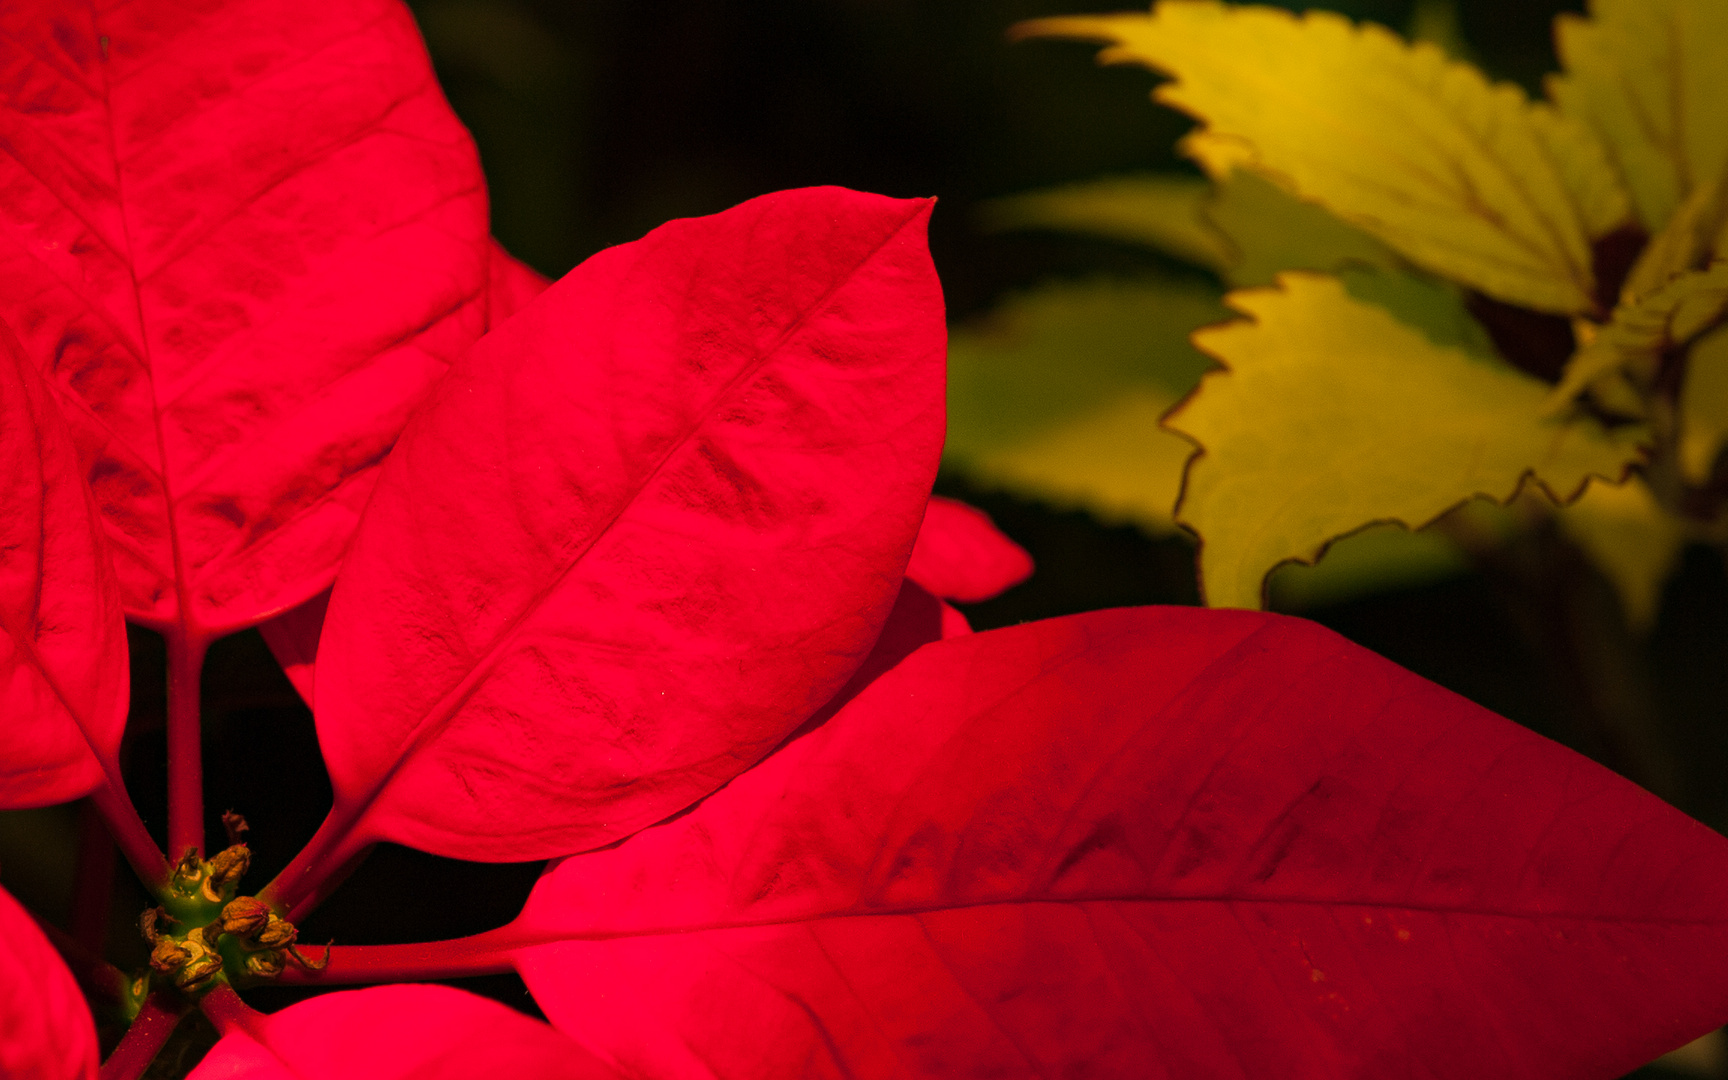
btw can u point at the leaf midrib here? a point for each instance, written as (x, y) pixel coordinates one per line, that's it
(433, 721)
(524, 938)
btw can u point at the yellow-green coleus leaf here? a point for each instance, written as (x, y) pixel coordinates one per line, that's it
(1380, 558)
(1468, 179)
(1242, 227)
(1677, 289)
(1333, 413)
(1641, 330)
(1057, 395)
(1161, 211)
(1271, 230)
(1704, 406)
(1649, 76)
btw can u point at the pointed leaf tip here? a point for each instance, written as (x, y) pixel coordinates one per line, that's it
(716, 445)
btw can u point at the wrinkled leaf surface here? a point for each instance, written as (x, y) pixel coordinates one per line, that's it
(1148, 843)
(63, 670)
(245, 238)
(959, 554)
(1272, 230)
(707, 456)
(293, 635)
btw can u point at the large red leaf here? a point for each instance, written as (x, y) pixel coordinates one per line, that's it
(642, 531)
(397, 1033)
(63, 673)
(1146, 843)
(243, 237)
(45, 1031)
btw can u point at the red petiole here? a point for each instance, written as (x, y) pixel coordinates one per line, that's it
(156, 1021)
(186, 648)
(490, 953)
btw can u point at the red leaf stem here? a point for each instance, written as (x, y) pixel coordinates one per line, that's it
(305, 882)
(186, 647)
(156, 1021)
(127, 829)
(225, 1009)
(489, 953)
(96, 977)
(93, 881)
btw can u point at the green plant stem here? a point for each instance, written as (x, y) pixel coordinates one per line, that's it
(490, 953)
(145, 1038)
(186, 647)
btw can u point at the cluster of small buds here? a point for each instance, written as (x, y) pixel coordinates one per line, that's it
(267, 939)
(192, 960)
(215, 880)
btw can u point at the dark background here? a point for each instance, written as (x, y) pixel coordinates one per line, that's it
(598, 120)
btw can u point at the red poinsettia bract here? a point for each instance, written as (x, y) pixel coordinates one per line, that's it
(639, 572)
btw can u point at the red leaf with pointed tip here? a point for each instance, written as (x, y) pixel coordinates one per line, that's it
(961, 555)
(243, 238)
(707, 456)
(45, 1031)
(398, 1033)
(63, 672)
(1146, 843)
